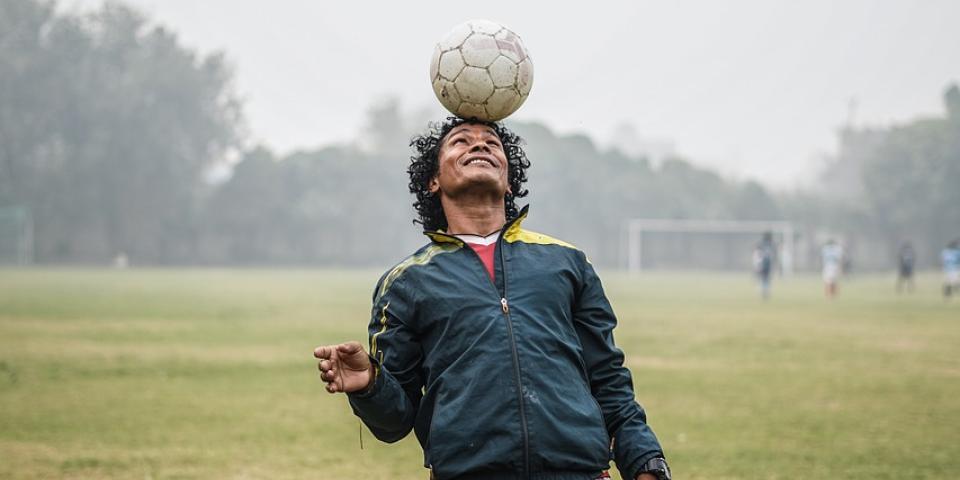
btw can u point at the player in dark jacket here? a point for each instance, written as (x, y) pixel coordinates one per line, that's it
(763, 257)
(906, 258)
(493, 343)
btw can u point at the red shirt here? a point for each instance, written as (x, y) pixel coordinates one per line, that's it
(486, 256)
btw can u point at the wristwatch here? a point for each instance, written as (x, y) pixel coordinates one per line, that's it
(656, 467)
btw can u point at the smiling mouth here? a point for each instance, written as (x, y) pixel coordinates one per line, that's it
(479, 161)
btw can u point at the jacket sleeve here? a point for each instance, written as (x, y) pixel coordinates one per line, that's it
(610, 382)
(389, 407)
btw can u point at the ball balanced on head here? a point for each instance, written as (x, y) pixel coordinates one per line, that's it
(481, 70)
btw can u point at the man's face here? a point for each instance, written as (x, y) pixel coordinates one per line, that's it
(471, 160)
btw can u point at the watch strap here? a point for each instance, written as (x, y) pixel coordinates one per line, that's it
(658, 467)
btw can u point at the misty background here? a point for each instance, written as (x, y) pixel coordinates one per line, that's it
(216, 133)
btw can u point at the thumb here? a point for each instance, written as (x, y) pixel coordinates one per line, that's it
(350, 348)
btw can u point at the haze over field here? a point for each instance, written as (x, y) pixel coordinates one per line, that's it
(754, 89)
(115, 119)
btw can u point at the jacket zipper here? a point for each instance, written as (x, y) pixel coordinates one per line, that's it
(505, 307)
(516, 363)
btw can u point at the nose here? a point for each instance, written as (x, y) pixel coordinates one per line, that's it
(480, 145)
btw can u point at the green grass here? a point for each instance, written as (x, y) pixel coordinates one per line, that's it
(209, 374)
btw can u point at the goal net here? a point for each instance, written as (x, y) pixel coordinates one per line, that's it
(16, 236)
(703, 244)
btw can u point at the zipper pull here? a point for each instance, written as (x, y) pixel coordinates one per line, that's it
(503, 304)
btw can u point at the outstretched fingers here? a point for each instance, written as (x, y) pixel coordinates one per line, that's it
(332, 387)
(328, 372)
(343, 366)
(327, 365)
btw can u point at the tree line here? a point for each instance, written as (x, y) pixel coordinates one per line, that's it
(891, 185)
(107, 125)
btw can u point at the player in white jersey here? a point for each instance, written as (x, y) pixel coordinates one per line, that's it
(832, 258)
(950, 257)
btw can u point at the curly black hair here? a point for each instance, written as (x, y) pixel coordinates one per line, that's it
(425, 164)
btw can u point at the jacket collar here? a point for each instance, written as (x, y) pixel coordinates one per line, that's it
(509, 230)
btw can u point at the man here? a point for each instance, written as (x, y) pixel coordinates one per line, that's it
(493, 343)
(832, 257)
(763, 256)
(950, 256)
(906, 258)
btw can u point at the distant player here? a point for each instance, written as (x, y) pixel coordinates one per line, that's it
(832, 258)
(906, 258)
(763, 257)
(951, 268)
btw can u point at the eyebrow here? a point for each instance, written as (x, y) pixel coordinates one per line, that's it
(488, 131)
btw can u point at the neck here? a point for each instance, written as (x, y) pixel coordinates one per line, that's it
(479, 218)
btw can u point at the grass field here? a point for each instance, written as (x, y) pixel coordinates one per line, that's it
(208, 374)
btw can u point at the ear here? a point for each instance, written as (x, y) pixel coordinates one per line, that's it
(434, 186)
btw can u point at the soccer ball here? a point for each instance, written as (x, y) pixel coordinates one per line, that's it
(481, 70)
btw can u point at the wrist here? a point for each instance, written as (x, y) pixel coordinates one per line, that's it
(654, 469)
(371, 382)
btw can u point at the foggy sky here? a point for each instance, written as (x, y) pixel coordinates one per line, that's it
(754, 89)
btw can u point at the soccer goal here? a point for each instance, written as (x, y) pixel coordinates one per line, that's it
(16, 236)
(703, 244)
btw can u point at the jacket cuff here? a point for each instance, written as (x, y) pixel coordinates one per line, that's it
(635, 468)
(374, 386)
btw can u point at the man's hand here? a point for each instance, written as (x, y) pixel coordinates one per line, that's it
(646, 476)
(345, 367)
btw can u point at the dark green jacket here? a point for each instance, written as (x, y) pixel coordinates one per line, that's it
(514, 379)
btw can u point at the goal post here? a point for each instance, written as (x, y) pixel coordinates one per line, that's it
(16, 236)
(636, 228)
